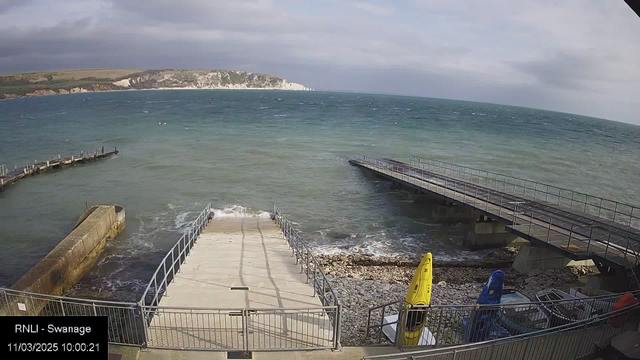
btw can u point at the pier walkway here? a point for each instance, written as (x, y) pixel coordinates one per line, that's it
(11, 177)
(577, 225)
(240, 285)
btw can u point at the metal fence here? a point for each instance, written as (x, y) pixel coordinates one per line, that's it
(147, 324)
(308, 263)
(618, 212)
(126, 325)
(249, 329)
(310, 266)
(242, 329)
(449, 325)
(544, 224)
(566, 342)
(171, 263)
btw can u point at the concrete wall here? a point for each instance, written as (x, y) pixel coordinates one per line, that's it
(488, 234)
(75, 254)
(530, 258)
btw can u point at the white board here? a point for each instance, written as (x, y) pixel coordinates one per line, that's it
(389, 330)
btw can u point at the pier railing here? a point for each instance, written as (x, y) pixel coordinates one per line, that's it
(125, 324)
(450, 325)
(148, 324)
(609, 243)
(311, 268)
(173, 260)
(241, 329)
(10, 177)
(570, 341)
(615, 211)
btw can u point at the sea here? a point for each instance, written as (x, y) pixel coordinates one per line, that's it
(244, 151)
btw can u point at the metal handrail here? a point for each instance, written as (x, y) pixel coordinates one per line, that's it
(237, 309)
(514, 304)
(497, 198)
(540, 188)
(308, 262)
(125, 325)
(301, 249)
(177, 254)
(522, 337)
(438, 312)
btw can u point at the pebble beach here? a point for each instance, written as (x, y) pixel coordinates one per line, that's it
(362, 281)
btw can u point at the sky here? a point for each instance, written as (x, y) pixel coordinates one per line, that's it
(577, 56)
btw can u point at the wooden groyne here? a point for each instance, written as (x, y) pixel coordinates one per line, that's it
(11, 177)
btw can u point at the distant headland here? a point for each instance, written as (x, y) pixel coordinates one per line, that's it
(89, 80)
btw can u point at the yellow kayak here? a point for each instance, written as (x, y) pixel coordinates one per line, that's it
(419, 293)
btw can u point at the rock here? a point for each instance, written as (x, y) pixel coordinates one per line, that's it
(534, 272)
(362, 281)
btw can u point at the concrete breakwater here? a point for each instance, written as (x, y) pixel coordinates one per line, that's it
(11, 177)
(71, 258)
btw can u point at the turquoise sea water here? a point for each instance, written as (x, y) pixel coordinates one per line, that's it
(246, 150)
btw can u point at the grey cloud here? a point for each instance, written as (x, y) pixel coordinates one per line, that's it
(562, 70)
(343, 50)
(6, 5)
(578, 70)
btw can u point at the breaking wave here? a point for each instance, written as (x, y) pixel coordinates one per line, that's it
(235, 211)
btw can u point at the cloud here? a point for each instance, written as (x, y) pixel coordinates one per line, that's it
(6, 5)
(577, 56)
(374, 9)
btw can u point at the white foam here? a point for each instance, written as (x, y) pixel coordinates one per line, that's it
(235, 211)
(380, 248)
(181, 220)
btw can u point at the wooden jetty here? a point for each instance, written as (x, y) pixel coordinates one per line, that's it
(11, 177)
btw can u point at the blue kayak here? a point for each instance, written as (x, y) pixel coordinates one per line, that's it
(485, 324)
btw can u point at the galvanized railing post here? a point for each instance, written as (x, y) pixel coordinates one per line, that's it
(437, 334)
(173, 263)
(144, 327)
(600, 207)
(338, 326)
(157, 291)
(315, 270)
(307, 265)
(166, 282)
(400, 326)
(245, 329)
